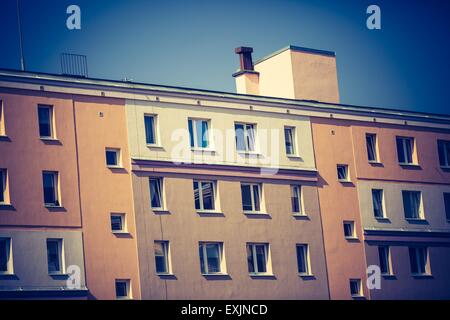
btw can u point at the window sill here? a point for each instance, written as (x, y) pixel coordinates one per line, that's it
(114, 167)
(388, 276)
(300, 216)
(416, 219)
(160, 211)
(422, 275)
(154, 146)
(6, 205)
(51, 206)
(249, 153)
(358, 297)
(352, 239)
(51, 139)
(344, 181)
(58, 274)
(4, 137)
(293, 156)
(254, 214)
(446, 168)
(165, 274)
(409, 165)
(203, 150)
(121, 233)
(307, 276)
(124, 298)
(215, 274)
(209, 213)
(262, 275)
(382, 219)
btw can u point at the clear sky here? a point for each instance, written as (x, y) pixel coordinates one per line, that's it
(190, 43)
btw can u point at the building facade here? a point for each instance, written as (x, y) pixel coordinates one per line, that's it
(124, 190)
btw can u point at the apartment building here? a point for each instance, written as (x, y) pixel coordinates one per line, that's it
(276, 192)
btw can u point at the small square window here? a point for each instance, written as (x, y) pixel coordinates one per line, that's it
(123, 289)
(113, 157)
(45, 117)
(342, 173)
(355, 288)
(118, 223)
(349, 230)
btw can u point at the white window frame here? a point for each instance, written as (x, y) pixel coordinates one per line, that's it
(359, 294)
(245, 133)
(405, 149)
(307, 260)
(57, 191)
(200, 194)
(155, 130)
(195, 122)
(118, 153)
(347, 173)
(421, 214)
(123, 223)
(52, 135)
(300, 204)
(10, 262)
(383, 207)
(268, 262)
(166, 250)
(128, 289)
(61, 256)
(161, 194)
(222, 263)
(374, 138)
(353, 235)
(252, 196)
(294, 141)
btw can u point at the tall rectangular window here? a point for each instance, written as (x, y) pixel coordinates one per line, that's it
(296, 199)
(2, 120)
(412, 204)
(342, 172)
(371, 144)
(204, 195)
(45, 117)
(150, 129)
(3, 186)
(384, 256)
(123, 289)
(251, 197)
(447, 205)
(5, 256)
(405, 150)
(55, 256)
(162, 257)
(245, 137)
(418, 257)
(211, 257)
(444, 153)
(303, 259)
(377, 202)
(199, 133)
(289, 140)
(258, 258)
(156, 195)
(51, 188)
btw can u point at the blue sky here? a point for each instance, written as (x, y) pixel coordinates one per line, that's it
(190, 43)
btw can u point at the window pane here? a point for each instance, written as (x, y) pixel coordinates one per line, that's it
(155, 193)
(289, 140)
(121, 289)
(111, 158)
(161, 257)
(53, 255)
(213, 256)
(413, 260)
(2, 184)
(409, 149)
(411, 204)
(447, 205)
(302, 259)
(295, 199)
(342, 172)
(355, 287)
(261, 258)
(49, 181)
(4, 254)
(246, 198)
(377, 199)
(44, 122)
(250, 137)
(116, 223)
(191, 132)
(202, 259)
(370, 143)
(441, 152)
(197, 195)
(202, 131)
(240, 141)
(422, 259)
(384, 259)
(149, 129)
(348, 229)
(251, 266)
(208, 195)
(256, 196)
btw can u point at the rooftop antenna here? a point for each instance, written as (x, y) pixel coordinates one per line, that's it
(22, 59)
(74, 65)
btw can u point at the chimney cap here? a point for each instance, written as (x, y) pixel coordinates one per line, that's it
(243, 50)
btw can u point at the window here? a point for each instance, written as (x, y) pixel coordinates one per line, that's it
(245, 137)
(418, 257)
(296, 200)
(3, 186)
(412, 204)
(123, 290)
(251, 197)
(349, 230)
(45, 117)
(113, 157)
(55, 256)
(156, 199)
(118, 223)
(2, 121)
(303, 259)
(204, 195)
(198, 133)
(447, 205)
(371, 144)
(384, 255)
(444, 153)
(51, 188)
(211, 257)
(5, 256)
(289, 140)
(355, 288)
(405, 149)
(150, 129)
(162, 257)
(342, 172)
(377, 202)
(258, 258)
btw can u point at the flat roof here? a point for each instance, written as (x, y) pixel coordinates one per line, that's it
(297, 48)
